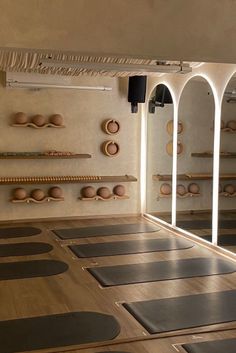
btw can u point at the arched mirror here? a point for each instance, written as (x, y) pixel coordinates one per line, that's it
(159, 153)
(227, 186)
(195, 158)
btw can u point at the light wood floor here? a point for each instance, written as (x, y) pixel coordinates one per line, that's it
(77, 290)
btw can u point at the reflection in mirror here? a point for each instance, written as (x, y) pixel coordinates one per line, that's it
(195, 158)
(227, 186)
(159, 153)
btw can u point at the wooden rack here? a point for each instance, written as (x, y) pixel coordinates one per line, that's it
(45, 199)
(65, 179)
(38, 127)
(188, 194)
(193, 176)
(210, 154)
(99, 198)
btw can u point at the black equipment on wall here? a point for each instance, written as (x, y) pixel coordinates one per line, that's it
(162, 97)
(137, 91)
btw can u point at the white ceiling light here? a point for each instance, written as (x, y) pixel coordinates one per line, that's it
(161, 67)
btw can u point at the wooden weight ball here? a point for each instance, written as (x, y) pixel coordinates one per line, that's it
(113, 127)
(229, 188)
(181, 190)
(38, 120)
(88, 191)
(55, 192)
(104, 192)
(220, 188)
(194, 188)
(119, 190)
(165, 189)
(20, 118)
(110, 148)
(56, 119)
(19, 194)
(37, 194)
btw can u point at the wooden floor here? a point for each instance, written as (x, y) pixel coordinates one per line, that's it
(77, 290)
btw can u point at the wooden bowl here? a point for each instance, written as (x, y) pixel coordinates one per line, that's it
(110, 148)
(111, 126)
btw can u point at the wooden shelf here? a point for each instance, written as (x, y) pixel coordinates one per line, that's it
(99, 198)
(226, 194)
(38, 127)
(228, 130)
(38, 155)
(210, 154)
(192, 176)
(45, 199)
(65, 179)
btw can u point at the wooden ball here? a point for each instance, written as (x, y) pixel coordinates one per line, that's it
(194, 188)
(88, 191)
(19, 194)
(229, 188)
(113, 127)
(119, 190)
(166, 189)
(56, 192)
(220, 188)
(181, 190)
(20, 118)
(169, 148)
(38, 120)
(37, 194)
(104, 192)
(231, 124)
(56, 119)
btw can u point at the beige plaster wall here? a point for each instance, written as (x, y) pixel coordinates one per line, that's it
(196, 30)
(83, 113)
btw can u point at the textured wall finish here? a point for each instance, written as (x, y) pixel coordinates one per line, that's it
(83, 113)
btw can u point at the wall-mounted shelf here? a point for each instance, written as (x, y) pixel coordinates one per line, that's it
(188, 194)
(228, 130)
(210, 154)
(38, 127)
(226, 194)
(42, 155)
(65, 179)
(192, 176)
(45, 199)
(99, 198)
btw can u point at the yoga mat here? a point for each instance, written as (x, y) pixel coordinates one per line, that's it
(161, 271)
(16, 232)
(30, 269)
(55, 331)
(223, 239)
(206, 224)
(219, 346)
(130, 247)
(22, 249)
(115, 229)
(171, 314)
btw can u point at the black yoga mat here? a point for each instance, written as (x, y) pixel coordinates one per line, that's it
(219, 346)
(17, 232)
(223, 239)
(115, 229)
(171, 314)
(56, 331)
(206, 224)
(22, 249)
(161, 271)
(130, 247)
(30, 269)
